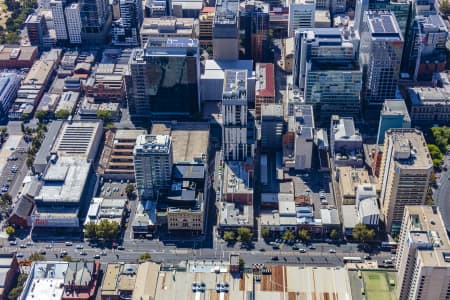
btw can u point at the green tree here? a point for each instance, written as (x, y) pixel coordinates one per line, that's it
(36, 257)
(107, 230)
(288, 235)
(6, 197)
(104, 115)
(445, 8)
(62, 114)
(41, 115)
(10, 231)
(304, 234)
(363, 234)
(228, 236)
(129, 189)
(22, 279)
(15, 293)
(265, 233)
(24, 117)
(3, 129)
(67, 258)
(29, 161)
(90, 230)
(334, 234)
(245, 235)
(145, 256)
(241, 263)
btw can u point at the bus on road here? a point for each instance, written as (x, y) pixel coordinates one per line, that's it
(352, 259)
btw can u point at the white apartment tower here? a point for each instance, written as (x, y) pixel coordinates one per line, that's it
(74, 25)
(59, 19)
(152, 165)
(301, 15)
(405, 173)
(234, 115)
(423, 255)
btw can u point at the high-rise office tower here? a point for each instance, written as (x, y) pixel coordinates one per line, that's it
(226, 30)
(36, 29)
(394, 114)
(96, 18)
(235, 119)
(59, 20)
(272, 126)
(126, 29)
(404, 11)
(423, 255)
(405, 174)
(163, 79)
(425, 51)
(255, 22)
(73, 22)
(380, 56)
(326, 71)
(301, 15)
(152, 165)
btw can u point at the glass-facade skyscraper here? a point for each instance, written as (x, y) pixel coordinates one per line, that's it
(163, 79)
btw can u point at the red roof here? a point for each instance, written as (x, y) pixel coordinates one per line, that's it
(208, 9)
(268, 88)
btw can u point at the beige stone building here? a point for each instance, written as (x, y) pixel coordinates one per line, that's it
(405, 173)
(423, 255)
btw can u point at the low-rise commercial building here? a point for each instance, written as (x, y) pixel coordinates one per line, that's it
(349, 179)
(106, 84)
(346, 143)
(168, 26)
(17, 56)
(298, 141)
(119, 281)
(265, 86)
(61, 280)
(237, 183)
(430, 105)
(233, 216)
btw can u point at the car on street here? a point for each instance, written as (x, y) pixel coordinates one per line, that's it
(275, 258)
(332, 251)
(302, 250)
(79, 246)
(103, 253)
(63, 253)
(68, 244)
(23, 246)
(43, 252)
(29, 243)
(49, 246)
(120, 247)
(13, 243)
(83, 253)
(312, 247)
(20, 255)
(97, 256)
(367, 257)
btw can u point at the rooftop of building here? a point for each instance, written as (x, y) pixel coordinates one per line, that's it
(232, 214)
(39, 72)
(118, 277)
(395, 107)
(226, 12)
(78, 138)
(235, 85)
(435, 95)
(8, 52)
(428, 231)
(265, 83)
(383, 25)
(148, 273)
(167, 24)
(344, 129)
(236, 178)
(432, 23)
(153, 144)
(350, 178)
(377, 284)
(368, 207)
(271, 110)
(128, 134)
(190, 139)
(64, 180)
(409, 148)
(215, 69)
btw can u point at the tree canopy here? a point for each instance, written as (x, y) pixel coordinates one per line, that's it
(105, 229)
(245, 235)
(304, 234)
(62, 114)
(363, 234)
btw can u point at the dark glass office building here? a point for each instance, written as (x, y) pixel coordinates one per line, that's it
(163, 79)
